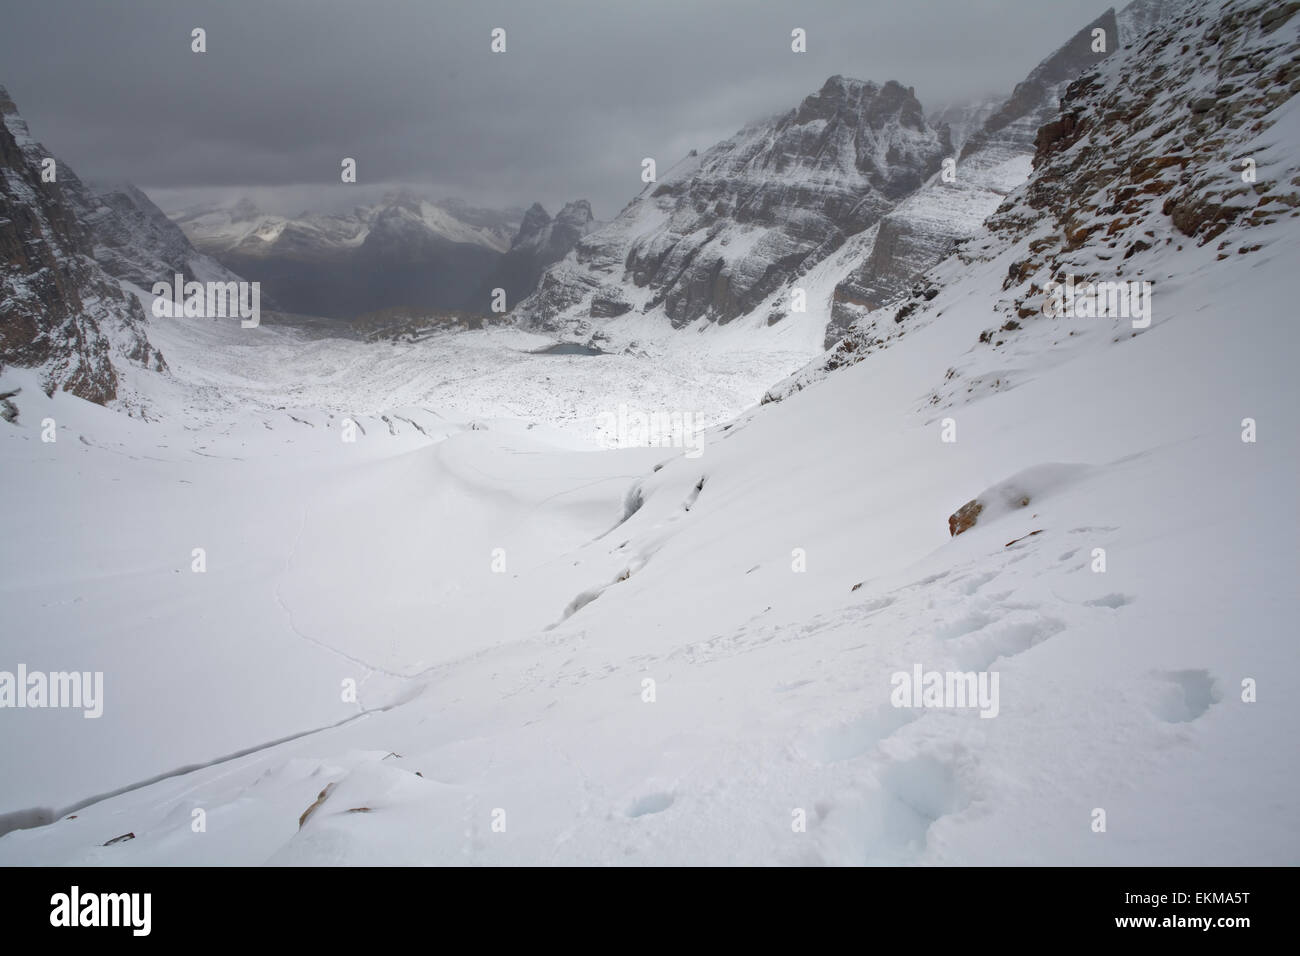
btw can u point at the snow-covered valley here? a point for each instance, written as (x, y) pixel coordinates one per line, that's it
(523, 689)
(451, 599)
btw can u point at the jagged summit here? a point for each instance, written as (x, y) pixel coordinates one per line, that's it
(540, 242)
(535, 221)
(993, 160)
(721, 231)
(842, 96)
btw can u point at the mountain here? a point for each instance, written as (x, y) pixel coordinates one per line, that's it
(1143, 157)
(243, 229)
(964, 119)
(839, 197)
(405, 251)
(690, 652)
(992, 159)
(540, 242)
(1143, 17)
(62, 310)
(1034, 99)
(134, 239)
(722, 231)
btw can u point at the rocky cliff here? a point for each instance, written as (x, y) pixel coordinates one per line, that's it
(993, 160)
(1167, 158)
(721, 231)
(60, 311)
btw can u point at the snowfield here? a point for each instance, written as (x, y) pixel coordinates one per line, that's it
(411, 603)
(504, 716)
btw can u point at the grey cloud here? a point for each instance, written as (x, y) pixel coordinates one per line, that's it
(411, 90)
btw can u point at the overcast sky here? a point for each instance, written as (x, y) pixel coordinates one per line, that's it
(585, 89)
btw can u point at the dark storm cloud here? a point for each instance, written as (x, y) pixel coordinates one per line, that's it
(585, 90)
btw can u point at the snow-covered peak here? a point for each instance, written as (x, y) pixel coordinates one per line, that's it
(1144, 163)
(242, 229)
(719, 232)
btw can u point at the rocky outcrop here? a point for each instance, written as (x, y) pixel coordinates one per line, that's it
(1175, 140)
(721, 231)
(1161, 139)
(964, 518)
(60, 312)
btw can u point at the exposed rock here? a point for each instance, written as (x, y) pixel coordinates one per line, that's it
(609, 304)
(134, 239)
(1022, 538)
(1126, 158)
(8, 410)
(540, 242)
(1034, 101)
(963, 519)
(60, 312)
(924, 229)
(320, 798)
(1150, 129)
(720, 232)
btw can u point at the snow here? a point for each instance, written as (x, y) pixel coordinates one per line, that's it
(244, 228)
(565, 655)
(372, 561)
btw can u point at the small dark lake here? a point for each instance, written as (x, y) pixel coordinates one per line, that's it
(569, 348)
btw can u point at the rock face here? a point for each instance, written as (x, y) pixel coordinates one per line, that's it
(405, 251)
(132, 239)
(993, 161)
(1035, 99)
(720, 232)
(965, 119)
(135, 241)
(540, 242)
(1143, 144)
(60, 311)
(1145, 155)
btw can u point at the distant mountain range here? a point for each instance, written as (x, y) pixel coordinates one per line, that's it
(844, 198)
(406, 251)
(841, 198)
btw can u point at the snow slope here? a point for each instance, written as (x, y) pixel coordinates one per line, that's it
(768, 590)
(1118, 690)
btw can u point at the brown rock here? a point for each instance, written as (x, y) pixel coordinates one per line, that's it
(963, 519)
(320, 798)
